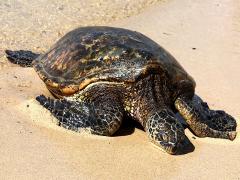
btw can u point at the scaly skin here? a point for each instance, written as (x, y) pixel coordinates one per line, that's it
(99, 109)
(205, 122)
(102, 73)
(101, 116)
(165, 131)
(22, 58)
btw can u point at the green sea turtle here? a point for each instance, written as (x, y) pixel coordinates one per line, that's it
(101, 74)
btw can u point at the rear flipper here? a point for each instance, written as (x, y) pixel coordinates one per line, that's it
(21, 57)
(101, 119)
(205, 122)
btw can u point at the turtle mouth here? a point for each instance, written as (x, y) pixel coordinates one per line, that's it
(174, 148)
(171, 149)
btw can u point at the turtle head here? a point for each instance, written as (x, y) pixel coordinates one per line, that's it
(165, 131)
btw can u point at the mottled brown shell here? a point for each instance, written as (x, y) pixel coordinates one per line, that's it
(90, 54)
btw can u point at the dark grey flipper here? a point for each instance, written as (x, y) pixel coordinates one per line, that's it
(205, 122)
(165, 131)
(101, 119)
(21, 57)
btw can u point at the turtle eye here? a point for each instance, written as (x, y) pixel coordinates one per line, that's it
(164, 137)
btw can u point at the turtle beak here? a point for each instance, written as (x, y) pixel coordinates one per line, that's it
(177, 147)
(171, 149)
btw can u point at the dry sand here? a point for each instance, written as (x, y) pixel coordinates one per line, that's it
(32, 147)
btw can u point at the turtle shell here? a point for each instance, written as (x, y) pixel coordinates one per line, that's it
(91, 54)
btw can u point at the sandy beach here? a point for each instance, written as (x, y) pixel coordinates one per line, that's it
(203, 35)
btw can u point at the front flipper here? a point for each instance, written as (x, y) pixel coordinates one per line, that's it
(205, 122)
(101, 119)
(166, 131)
(21, 57)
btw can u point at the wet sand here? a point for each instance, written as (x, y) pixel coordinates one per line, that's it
(203, 35)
